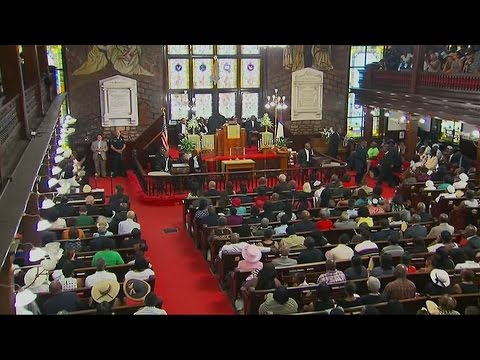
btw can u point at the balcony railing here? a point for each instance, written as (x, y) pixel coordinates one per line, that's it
(437, 84)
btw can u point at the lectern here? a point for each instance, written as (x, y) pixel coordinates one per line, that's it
(230, 136)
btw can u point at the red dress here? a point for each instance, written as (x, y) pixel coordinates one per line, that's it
(324, 224)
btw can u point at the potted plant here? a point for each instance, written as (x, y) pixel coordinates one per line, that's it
(186, 146)
(266, 122)
(282, 144)
(192, 125)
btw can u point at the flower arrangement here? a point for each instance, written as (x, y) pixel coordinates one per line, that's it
(186, 145)
(282, 143)
(192, 125)
(266, 122)
(325, 134)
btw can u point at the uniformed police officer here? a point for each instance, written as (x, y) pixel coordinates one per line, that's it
(117, 144)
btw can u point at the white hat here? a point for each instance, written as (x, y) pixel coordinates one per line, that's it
(24, 297)
(68, 116)
(67, 153)
(463, 177)
(52, 182)
(43, 225)
(56, 170)
(316, 183)
(64, 189)
(52, 247)
(429, 172)
(251, 254)
(47, 204)
(87, 188)
(36, 276)
(70, 130)
(429, 184)
(58, 158)
(48, 264)
(71, 121)
(440, 277)
(450, 189)
(449, 147)
(435, 145)
(59, 150)
(375, 201)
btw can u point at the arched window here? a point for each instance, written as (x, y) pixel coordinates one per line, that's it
(214, 79)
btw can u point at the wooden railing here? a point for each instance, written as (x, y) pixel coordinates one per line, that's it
(8, 118)
(180, 183)
(459, 85)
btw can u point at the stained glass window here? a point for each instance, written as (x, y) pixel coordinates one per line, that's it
(250, 49)
(178, 73)
(178, 49)
(226, 49)
(228, 73)
(203, 105)
(360, 56)
(203, 49)
(190, 68)
(202, 73)
(249, 104)
(55, 58)
(250, 73)
(178, 106)
(226, 104)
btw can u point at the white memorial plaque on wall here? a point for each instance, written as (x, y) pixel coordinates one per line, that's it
(307, 94)
(118, 101)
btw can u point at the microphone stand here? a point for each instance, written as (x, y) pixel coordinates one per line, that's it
(111, 182)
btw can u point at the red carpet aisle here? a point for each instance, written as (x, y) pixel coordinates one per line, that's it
(183, 279)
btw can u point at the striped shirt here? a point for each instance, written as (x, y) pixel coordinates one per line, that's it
(331, 277)
(400, 289)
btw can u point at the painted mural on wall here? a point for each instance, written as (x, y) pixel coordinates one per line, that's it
(124, 58)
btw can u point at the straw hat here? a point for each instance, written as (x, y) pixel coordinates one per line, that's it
(463, 177)
(251, 254)
(87, 188)
(432, 308)
(136, 289)
(105, 291)
(35, 276)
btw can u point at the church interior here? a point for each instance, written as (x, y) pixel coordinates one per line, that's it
(240, 179)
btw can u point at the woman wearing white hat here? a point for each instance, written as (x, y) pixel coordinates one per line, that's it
(450, 194)
(429, 186)
(438, 284)
(36, 280)
(462, 183)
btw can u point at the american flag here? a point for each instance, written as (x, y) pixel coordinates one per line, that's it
(164, 132)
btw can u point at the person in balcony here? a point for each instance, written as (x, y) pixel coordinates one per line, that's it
(434, 65)
(406, 60)
(456, 64)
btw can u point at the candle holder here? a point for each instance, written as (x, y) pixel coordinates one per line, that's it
(277, 103)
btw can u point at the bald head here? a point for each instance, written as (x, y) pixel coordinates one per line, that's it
(55, 287)
(130, 215)
(212, 185)
(443, 218)
(400, 271)
(89, 200)
(305, 215)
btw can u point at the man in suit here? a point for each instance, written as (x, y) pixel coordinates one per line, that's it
(118, 145)
(360, 161)
(387, 164)
(99, 149)
(334, 143)
(305, 156)
(163, 161)
(252, 127)
(181, 129)
(215, 122)
(195, 162)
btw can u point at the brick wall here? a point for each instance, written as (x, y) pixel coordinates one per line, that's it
(85, 94)
(335, 92)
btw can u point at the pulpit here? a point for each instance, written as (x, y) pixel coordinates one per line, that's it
(230, 136)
